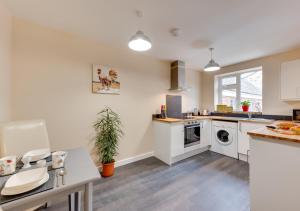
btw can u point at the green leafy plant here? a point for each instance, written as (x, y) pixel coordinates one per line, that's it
(108, 129)
(246, 103)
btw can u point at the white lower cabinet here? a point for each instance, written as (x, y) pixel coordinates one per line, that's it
(177, 140)
(169, 140)
(205, 133)
(243, 138)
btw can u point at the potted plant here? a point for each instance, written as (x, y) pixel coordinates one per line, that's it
(108, 133)
(245, 105)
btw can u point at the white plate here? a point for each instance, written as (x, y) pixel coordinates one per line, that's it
(25, 179)
(6, 192)
(38, 154)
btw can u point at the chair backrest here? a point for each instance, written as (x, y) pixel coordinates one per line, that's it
(17, 138)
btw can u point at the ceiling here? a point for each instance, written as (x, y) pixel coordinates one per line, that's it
(239, 30)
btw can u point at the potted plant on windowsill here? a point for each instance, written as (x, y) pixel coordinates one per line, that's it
(245, 105)
(108, 133)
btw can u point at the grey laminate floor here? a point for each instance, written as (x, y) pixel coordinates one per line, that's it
(205, 182)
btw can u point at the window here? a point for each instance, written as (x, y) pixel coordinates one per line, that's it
(233, 88)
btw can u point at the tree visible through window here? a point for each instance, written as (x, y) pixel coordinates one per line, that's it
(233, 88)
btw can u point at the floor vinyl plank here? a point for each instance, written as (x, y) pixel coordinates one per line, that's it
(204, 182)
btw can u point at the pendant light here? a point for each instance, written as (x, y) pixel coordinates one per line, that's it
(212, 65)
(139, 41)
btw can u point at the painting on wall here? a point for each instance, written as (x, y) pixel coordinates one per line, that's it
(105, 80)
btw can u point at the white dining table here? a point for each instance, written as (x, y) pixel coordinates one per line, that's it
(80, 174)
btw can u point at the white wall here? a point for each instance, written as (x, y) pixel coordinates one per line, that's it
(5, 62)
(271, 82)
(51, 79)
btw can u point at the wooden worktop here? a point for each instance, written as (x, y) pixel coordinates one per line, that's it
(173, 120)
(168, 120)
(269, 134)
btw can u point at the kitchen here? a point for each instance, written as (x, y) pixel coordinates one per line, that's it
(242, 135)
(202, 99)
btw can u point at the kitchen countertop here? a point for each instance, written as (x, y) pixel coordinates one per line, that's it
(168, 120)
(257, 120)
(266, 133)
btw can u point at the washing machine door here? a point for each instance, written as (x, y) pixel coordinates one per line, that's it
(223, 137)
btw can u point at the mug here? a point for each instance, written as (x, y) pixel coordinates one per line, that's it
(58, 159)
(7, 165)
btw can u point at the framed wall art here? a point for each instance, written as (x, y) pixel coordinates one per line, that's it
(105, 80)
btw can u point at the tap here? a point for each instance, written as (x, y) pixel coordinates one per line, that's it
(249, 115)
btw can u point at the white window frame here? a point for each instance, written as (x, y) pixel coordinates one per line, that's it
(219, 87)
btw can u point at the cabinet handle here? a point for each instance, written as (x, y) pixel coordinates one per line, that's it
(240, 126)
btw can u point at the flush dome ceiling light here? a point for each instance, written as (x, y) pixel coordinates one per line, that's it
(212, 65)
(139, 42)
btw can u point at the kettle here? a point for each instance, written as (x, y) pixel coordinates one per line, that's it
(205, 112)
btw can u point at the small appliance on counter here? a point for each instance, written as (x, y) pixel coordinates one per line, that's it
(163, 112)
(205, 112)
(296, 115)
(196, 112)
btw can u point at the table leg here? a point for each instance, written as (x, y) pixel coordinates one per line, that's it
(77, 201)
(74, 201)
(88, 197)
(71, 202)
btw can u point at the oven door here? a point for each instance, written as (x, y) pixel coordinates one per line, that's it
(191, 135)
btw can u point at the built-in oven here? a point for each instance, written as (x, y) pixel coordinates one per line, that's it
(191, 133)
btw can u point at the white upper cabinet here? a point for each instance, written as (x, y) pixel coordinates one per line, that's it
(290, 83)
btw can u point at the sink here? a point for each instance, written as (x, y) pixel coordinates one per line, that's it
(259, 120)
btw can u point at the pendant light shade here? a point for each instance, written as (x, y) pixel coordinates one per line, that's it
(139, 42)
(212, 65)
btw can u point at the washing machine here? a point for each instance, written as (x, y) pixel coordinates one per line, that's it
(224, 138)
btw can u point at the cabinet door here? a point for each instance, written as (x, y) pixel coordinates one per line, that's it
(290, 87)
(205, 132)
(177, 140)
(243, 138)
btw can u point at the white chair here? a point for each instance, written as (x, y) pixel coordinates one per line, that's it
(17, 138)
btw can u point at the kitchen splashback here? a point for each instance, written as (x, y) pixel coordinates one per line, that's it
(174, 106)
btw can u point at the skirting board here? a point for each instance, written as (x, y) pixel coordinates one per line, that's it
(243, 157)
(133, 159)
(189, 154)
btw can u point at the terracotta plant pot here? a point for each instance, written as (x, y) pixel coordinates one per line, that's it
(108, 169)
(245, 108)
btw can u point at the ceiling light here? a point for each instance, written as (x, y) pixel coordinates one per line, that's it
(212, 65)
(139, 42)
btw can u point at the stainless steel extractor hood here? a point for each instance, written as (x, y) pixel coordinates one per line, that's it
(178, 76)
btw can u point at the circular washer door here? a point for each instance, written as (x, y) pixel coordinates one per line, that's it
(223, 137)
